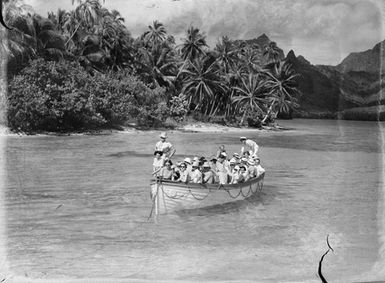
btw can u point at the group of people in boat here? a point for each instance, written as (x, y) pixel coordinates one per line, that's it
(220, 168)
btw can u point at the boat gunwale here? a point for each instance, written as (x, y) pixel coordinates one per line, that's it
(208, 186)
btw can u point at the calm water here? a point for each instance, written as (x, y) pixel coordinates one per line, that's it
(77, 207)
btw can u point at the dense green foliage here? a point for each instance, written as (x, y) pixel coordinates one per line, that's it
(82, 69)
(62, 96)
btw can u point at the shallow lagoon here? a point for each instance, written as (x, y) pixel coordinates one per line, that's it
(77, 207)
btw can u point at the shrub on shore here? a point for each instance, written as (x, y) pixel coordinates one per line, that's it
(62, 96)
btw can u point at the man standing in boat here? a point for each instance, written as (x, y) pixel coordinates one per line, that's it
(164, 146)
(251, 144)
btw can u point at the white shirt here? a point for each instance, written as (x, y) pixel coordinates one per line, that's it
(157, 164)
(196, 176)
(252, 145)
(164, 147)
(260, 170)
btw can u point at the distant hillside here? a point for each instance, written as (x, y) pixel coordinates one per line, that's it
(369, 61)
(320, 87)
(351, 90)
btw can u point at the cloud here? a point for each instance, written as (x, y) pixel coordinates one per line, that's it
(323, 31)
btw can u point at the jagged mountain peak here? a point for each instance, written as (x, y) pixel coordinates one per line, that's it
(291, 56)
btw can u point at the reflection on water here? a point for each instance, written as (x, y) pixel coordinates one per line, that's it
(77, 207)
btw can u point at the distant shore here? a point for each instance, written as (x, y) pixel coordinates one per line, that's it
(202, 127)
(198, 127)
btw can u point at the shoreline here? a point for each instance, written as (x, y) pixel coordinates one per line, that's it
(192, 127)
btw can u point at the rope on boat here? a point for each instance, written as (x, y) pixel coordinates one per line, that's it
(247, 195)
(228, 192)
(196, 197)
(176, 196)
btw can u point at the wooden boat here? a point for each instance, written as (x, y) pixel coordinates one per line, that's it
(168, 196)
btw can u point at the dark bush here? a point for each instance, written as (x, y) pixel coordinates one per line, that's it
(62, 96)
(254, 120)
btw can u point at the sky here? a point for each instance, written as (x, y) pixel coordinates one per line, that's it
(323, 31)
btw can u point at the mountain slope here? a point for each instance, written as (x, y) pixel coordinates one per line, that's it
(369, 61)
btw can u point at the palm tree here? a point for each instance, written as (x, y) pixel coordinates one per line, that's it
(115, 39)
(226, 53)
(59, 19)
(17, 15)
(155, 34)
(272, 52)
(251, 95)
(250, 57)
(283, 89)
(85, 16)
(157, 65)
(193, 45)
(31, 36)
(49, 43)
(201, 82)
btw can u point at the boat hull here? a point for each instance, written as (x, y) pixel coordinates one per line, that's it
(170, 196)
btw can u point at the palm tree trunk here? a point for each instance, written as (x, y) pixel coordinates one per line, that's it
(243, 116)
(215, 110)
(208, 108)
(72, 35)
(189, 103)
(212, 108)
(268, 112)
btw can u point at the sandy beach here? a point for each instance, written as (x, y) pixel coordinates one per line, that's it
(198, 127)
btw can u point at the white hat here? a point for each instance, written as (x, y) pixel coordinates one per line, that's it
(206, 165)
(232, 160)
(163, 135)
(251, 162)
(236, 167)
(244, 159)
(243, 138)
(187, 160)
(224, 154)
(196, 158)
(196, 164)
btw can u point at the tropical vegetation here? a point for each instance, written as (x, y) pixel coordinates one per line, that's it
(82, 69)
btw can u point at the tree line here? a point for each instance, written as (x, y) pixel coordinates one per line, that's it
(240, 82)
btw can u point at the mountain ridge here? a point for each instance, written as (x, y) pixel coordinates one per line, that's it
(349, 90)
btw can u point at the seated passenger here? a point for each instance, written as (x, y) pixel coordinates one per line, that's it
(237, 177)
(246, 154)
(158, 162)
(244, 161)
(232, 164)
(188, 163)
(195, 174)
(195, 159)
(251, 170)
(208, 174)
(222, 169)
(259, 168)
(167, 171)
(176, 173)
(243, 173)
(202, 161)
(237, 158)
(213, 165)
(184, 174)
